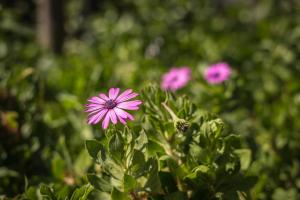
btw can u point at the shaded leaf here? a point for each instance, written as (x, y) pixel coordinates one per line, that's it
(95, 148)
(82, 192)
(47, 192)
(129, 183)
(117, 195)
(245, 157)
(99, 183)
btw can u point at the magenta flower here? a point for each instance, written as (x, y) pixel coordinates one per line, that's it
(217, 73)
(111, 107)
(176, 78)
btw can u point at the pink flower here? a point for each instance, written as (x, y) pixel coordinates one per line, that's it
(176, 78)
(217, 73)
(111, 107)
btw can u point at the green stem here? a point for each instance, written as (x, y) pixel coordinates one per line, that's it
(168, 148)
(170, 111)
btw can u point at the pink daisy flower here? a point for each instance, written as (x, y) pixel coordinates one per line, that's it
(111, 107)
(176, 78)
(217, 73)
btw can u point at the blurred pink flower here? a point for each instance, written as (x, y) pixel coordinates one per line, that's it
(176, 78)
(111, 107)
(217, 73)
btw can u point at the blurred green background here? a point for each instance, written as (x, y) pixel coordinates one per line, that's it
(55, 54)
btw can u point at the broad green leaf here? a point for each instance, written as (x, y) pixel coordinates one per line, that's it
(61, 190)
(116, 147)
(113, 169)
(82, 163)
(141, 141)
(58, 166)
(129, 183)
(153, 183)
(137, 167)
(82, 192)
(31, 193)
(99, 183)
(245, 157)
(176, 169)
(117, 195)
(95, 149)
(155, 143)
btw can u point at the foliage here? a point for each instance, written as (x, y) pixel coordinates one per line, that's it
(129, 43)
(157, 159)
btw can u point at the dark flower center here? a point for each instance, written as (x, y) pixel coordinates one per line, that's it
(174, 79)
(216, 75)
(110, 104)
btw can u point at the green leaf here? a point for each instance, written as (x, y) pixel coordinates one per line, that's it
(153, 183)
(154, 148)
(137, 167)
(232, 141)
(231, 184)
(129, 183)
(31, 193)
(195, 151)
(177, 170)
(7, 172)
(196, 171)
(245, 157)
(94, 147)
(82, 192)
(117, 195)
(82, 163)
(113, 169)
(168, 182)
(47, 192)
(281, 193)
(99, 183)
(116, 147)
(61, 191)
(58, 167)
(141, 141)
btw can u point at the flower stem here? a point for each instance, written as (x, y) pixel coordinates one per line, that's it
(170, 111)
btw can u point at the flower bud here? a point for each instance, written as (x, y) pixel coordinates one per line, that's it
(182, 125)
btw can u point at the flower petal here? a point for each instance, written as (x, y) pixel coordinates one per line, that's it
(120, 112)
(127, 97)
(113, 93)
(94, 112)
(123, 121)
(129, 105)
(123, 114)
(113, 116)
(103, 96)
(125, 93)
(93, 108)
(129, 116)
(97, 117)
(105, 122)
(96, 100)
(89, 105)
(176, 78)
